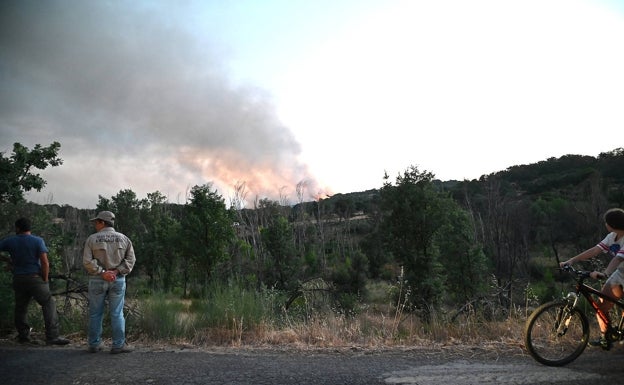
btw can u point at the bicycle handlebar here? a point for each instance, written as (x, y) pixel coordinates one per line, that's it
(580, 273)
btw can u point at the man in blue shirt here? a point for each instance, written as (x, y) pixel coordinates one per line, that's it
(30, 268)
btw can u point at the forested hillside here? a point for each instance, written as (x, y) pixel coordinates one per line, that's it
(447, 243)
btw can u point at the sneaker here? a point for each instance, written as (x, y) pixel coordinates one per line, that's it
(601, 342)
(24, 336)
(124, 349)
(24, 339)
(95, 349)
(57, 341)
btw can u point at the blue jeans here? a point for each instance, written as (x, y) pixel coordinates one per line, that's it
(99, 291)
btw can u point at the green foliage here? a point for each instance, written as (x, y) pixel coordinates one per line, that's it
(126, 207)
(414, 213)
(478, 242)
(44, 226)
(543, 286)
(349, 279)
(557, 224)
(165, 317)
(16, 175)
(311, 262)
(283, 267)
(465, 266)
(380, 256)
(161, 253)
(230, 305)
(207, 229)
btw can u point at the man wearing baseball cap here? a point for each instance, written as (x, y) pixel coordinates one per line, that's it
(108, 257)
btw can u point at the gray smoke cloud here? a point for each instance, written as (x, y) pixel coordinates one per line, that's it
(137, 102)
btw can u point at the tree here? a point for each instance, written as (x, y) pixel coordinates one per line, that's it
(161, 253)
(16, 177)
(207, 232)
(349, 279)
(283, 267)
(465, 265)
(126, 207)
(414, 212)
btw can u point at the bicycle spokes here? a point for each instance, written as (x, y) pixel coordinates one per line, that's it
(564, 316)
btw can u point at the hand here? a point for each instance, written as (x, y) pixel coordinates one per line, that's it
(564, 264)
(109, 275)
(597, 275)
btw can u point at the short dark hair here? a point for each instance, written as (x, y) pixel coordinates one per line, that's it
(22, 225)
(615, 218)
(106, 223)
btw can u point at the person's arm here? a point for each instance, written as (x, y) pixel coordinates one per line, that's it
(89, 262)
(45, 266)
(613, 265)
(126, 265)
(587, 254)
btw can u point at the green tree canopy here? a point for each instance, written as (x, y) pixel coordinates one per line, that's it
(432, 238)
(16, 176)
(208, 231)
(282, 270)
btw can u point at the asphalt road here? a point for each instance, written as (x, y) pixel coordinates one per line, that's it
(419, 366)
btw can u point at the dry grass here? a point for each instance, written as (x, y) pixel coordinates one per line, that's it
(230, 320)
(369, 330)
(375, 329)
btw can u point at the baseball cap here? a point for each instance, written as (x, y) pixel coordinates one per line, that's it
(106, 216)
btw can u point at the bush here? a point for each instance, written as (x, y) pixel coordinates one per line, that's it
(230, 305)
(228, 308)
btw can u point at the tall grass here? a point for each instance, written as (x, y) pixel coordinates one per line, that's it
(164, 317)
(231, 311)
(232, 315)
(227, 314)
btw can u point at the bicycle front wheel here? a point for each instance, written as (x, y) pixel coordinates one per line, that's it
(556, 333)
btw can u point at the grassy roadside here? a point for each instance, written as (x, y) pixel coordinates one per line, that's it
(231, 316)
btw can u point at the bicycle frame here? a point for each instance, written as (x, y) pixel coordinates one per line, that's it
(590, 295)
(557, 332)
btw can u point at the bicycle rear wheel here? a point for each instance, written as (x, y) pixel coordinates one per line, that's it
(556, 333)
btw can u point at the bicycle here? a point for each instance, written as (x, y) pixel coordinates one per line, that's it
(557, 332)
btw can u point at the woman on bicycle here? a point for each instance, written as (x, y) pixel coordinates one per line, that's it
(613, 244)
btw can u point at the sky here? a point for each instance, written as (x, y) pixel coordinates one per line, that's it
(295, 100)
